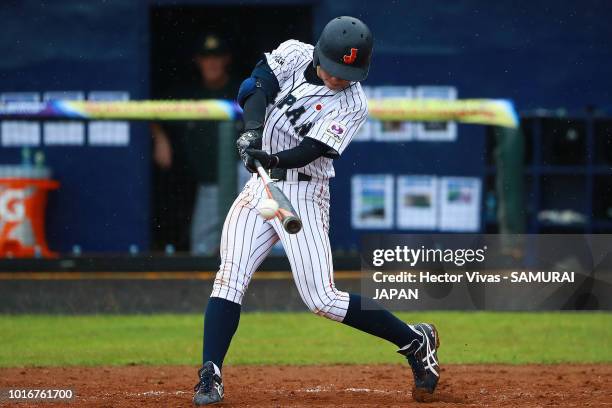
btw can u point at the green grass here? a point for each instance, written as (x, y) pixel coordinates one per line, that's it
(300, 338)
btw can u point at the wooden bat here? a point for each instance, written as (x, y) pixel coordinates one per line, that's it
(285, 213)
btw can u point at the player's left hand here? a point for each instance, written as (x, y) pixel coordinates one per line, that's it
(250, 139)
(268, 161)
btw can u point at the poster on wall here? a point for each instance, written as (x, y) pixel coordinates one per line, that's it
(372, 201)
(460, 204)
(417, 202)
(365, 132)
(66, 133)
(436, 131)
(20, 132)
(393, 131)
(109, 132)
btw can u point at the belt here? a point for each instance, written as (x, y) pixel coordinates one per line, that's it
(281, 175)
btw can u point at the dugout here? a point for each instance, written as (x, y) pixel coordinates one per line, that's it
(172, 66)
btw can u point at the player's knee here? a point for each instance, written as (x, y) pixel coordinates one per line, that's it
(329, 307)
(227, 288)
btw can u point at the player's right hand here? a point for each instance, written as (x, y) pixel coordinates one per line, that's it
(249, 139)
(268, 161)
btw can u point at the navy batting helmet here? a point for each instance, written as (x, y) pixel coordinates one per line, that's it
(344, 49)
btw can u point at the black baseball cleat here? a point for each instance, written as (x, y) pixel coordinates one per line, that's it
(423, 359)
(209, 390)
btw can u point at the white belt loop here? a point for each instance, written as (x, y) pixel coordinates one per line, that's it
(292, 175)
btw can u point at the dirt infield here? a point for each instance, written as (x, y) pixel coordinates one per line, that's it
(322, 386)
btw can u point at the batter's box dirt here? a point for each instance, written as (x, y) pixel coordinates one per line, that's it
(323, 386)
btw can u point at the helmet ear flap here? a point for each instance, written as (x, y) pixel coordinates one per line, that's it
(315, 56)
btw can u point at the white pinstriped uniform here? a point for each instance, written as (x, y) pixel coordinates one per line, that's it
(300, 109)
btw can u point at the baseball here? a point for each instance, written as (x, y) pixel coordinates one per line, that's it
(267, 208)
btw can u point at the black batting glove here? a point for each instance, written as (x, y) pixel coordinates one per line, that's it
(268, 161)
(249, 139)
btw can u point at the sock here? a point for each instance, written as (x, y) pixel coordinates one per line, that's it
(378, 321)
(220, 323)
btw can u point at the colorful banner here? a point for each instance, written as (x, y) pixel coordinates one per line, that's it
(211, 109)
(496, 112)
(475, 111)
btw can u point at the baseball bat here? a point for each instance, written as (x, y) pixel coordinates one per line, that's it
(285, 213)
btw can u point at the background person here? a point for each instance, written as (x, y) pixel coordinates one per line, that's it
(188, 151)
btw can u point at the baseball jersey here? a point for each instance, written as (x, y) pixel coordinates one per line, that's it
(305, 109)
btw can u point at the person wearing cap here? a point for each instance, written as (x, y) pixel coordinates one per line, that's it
(189, 150)
(302, 106)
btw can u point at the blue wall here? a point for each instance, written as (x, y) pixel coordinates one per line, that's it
(538, 53)
(103, 203)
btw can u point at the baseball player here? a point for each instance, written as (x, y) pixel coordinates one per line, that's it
(302, 105)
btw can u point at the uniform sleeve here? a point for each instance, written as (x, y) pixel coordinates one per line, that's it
(285, 59)
(337, 128)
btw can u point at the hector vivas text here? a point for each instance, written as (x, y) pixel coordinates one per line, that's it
(435, 266)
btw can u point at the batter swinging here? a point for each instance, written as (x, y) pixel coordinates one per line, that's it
(302, 106)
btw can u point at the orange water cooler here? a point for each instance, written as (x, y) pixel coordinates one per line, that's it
(23, 199)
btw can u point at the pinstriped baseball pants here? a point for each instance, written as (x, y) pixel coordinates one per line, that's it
(247, 239)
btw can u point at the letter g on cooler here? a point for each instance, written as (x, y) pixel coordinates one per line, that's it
(12, 208)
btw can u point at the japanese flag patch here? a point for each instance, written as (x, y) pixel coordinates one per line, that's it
(336, 130)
